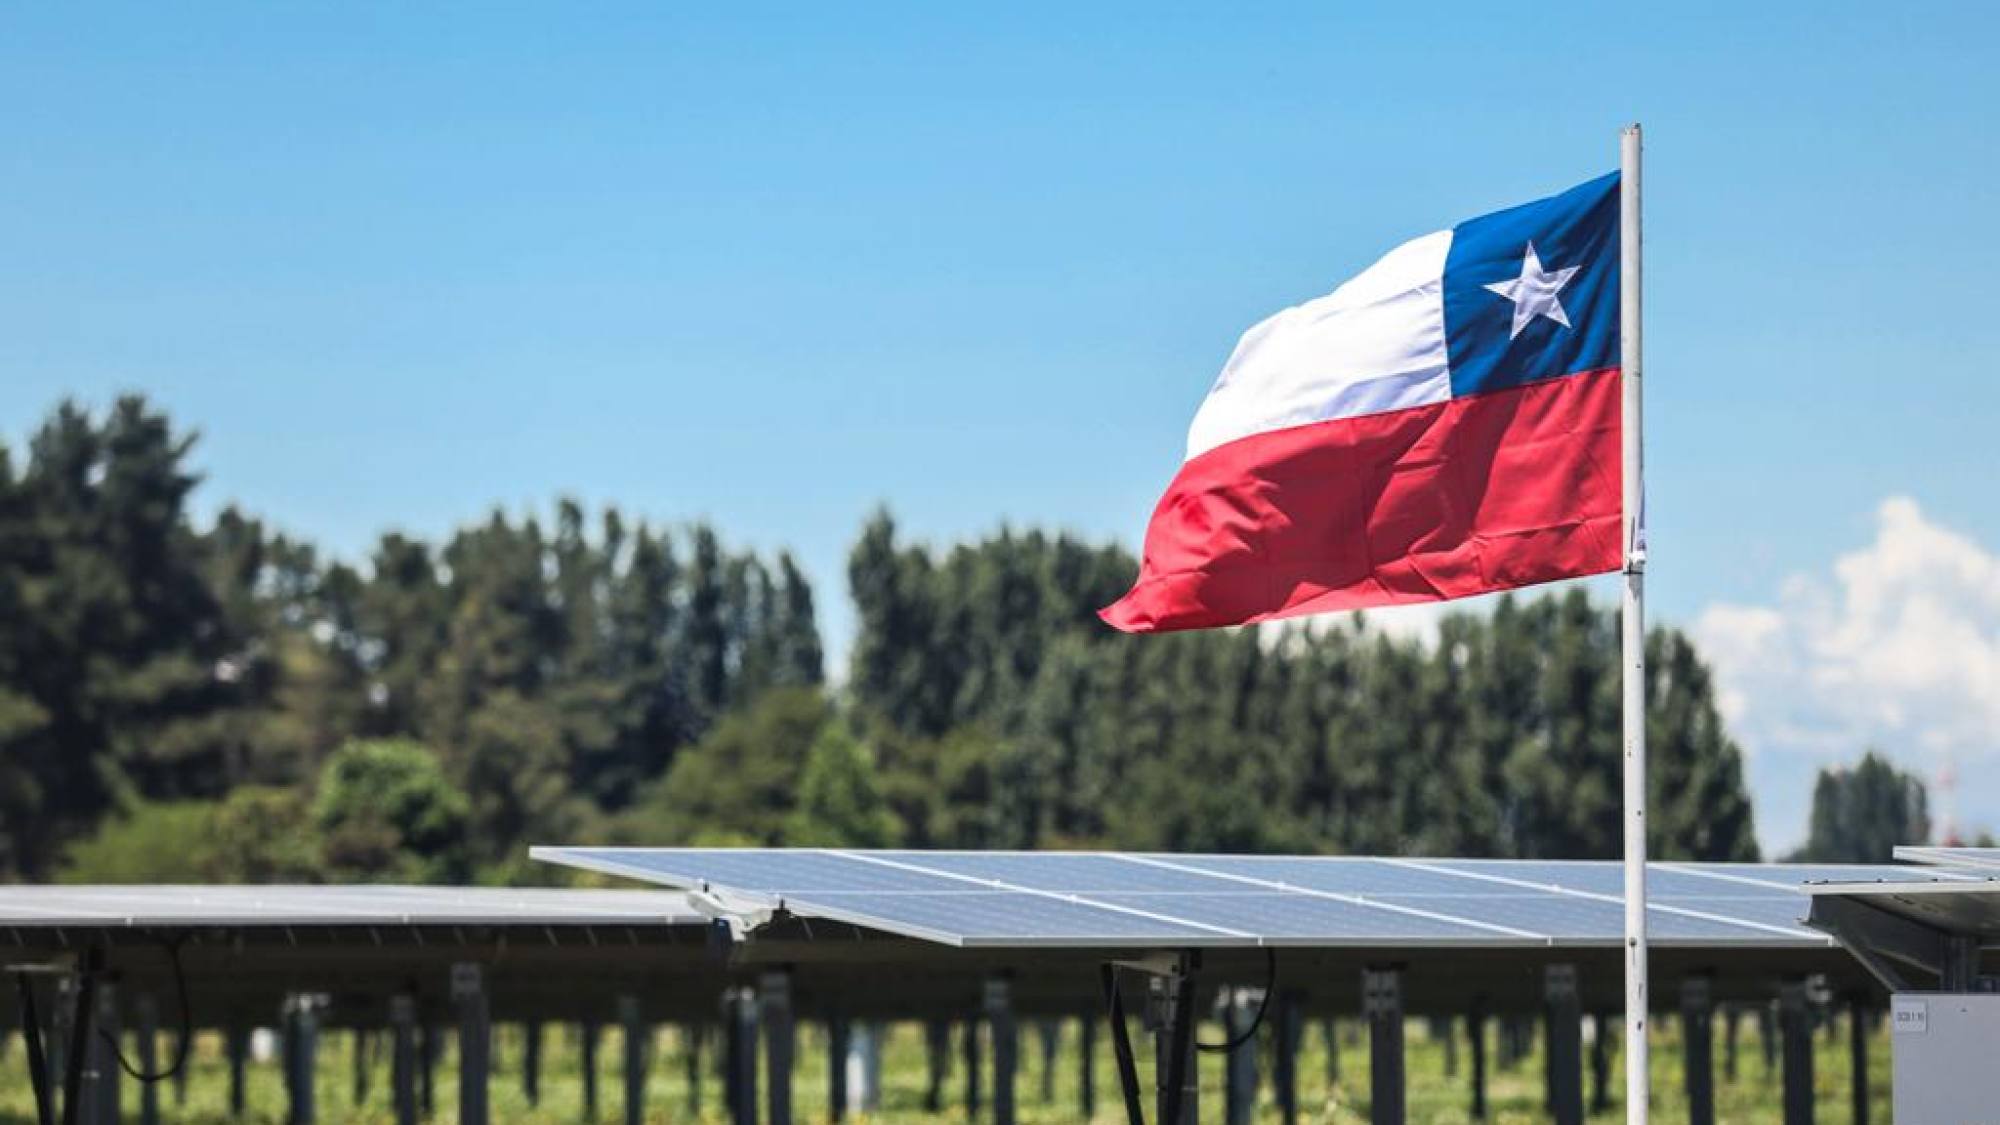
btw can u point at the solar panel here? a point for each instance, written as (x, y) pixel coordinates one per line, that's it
(1784, 910)
(1792, 876)
(1955, 857)
(974, 918)
(1588, 876)
(758, 871)
(1150, 899)
(1331, 875)
(1070, 873)
(1281, 919)
(250, 906)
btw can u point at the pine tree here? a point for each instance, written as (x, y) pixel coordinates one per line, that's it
(798, 657)
(1860, 814)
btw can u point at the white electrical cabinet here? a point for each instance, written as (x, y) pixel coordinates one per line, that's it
(1947, 1057)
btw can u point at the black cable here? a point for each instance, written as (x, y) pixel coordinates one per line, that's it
(38, 1059)
(1121, 1042)
(173, 946)
(1249, 1033)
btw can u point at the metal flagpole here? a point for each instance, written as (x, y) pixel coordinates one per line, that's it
(1638, 1084)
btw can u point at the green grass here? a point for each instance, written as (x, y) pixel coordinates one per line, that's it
(1514, 1094)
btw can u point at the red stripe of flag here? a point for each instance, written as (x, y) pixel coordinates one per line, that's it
(1469, 496)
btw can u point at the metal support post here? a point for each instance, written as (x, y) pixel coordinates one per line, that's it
(428, 1051)
(1857, 1055)
(357, 1043)
(62, 1034)
(999, 1011)
(1086, 1058)
(1564, 1036)
(146, 1014)
(237, 1043)
(1285, 1061)
(531, 1062)
(403, 1057)
(304, 1059)
(1332, 1029)
(475, 1042)
(288, 1062)
(1048, 1036)
(587, 1063)
(1475, 1034)
(1795, 1020)
(1961, 964)
(1240, 1088)
(1698, 1049)
(635, 1037)
(746, 1056)
(1382, 1003)
(839, 1046)
(634, 1034)
(868, 1060)
(586, 1042)
(774, 993)
(1174, 1052)
(1731, 1020)
(733, 1049)
(969, 1055)
(937, 1058)
(106, 1079)
(691, 1037)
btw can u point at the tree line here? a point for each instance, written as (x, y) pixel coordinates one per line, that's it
(227, 702)
(229, 693)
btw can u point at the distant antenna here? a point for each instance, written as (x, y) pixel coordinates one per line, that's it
(1947, 792)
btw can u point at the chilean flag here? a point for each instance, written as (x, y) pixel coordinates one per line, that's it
(1445, 424)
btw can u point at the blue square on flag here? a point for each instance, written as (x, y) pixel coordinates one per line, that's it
(1531, 292)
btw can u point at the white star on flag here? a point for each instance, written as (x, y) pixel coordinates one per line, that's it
(1534, 292)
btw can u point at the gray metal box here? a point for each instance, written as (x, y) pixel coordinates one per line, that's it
(1947, 1051)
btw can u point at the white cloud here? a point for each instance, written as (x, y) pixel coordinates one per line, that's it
(1897, 647)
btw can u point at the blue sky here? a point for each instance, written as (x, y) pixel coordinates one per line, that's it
(779, 265)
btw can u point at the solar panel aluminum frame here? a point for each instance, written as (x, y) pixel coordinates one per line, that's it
(1984, 859)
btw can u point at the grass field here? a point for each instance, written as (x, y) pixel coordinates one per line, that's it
(1515, 1094)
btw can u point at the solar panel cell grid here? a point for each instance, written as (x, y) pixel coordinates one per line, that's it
(765, 872)
(1069, 874)
(975, 917)
(1283, 916)
(1334, 876)
(1781, 910)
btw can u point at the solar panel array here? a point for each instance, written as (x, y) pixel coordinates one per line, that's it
(1985, 858)
(165, 906)
(1083, 900)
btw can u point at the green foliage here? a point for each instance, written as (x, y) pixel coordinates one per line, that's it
(1861, 813)
(554, 673)
(739, 784)
(385, 813)
(840, 801)
(151, 844)
(257, 834)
